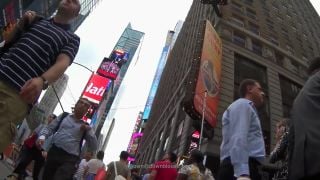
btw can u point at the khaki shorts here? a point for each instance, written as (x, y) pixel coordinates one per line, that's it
(12, 112)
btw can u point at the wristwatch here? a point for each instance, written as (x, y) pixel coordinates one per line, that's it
(45, 83)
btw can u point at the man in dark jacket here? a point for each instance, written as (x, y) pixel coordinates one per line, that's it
(304, 162)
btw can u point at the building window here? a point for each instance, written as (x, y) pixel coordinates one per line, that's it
(253, 28)
(274, 40)
(248, 2)
(279, 58)
(251, 14)
(257, 47)
(236, 7)
(246, 68)
(239, 39)
(290, 49)
(237, 20)
(289, 91)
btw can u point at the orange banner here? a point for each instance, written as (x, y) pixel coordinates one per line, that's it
(209, 76)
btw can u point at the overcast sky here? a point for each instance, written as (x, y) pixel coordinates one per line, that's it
(100, 32)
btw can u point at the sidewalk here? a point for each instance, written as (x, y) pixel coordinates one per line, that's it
(5, 169)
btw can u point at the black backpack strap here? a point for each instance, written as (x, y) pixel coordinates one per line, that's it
(63, 115)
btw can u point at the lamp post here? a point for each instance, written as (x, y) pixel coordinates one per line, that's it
(92, 72)
(202, 119)
(83, 66)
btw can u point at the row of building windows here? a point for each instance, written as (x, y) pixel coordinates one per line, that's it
(258, 48)
(290, 25)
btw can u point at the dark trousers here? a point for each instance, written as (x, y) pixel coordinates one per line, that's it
(226, 170)
(26, 156)
(60, 165)
(317, 176)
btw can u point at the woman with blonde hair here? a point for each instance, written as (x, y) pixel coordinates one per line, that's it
(280, 151)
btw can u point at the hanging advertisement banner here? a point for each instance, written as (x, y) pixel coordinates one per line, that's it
(205, 78)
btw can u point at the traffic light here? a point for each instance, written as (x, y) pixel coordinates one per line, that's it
(215, 4)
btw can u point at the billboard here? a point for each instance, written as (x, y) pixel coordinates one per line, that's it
(205, 83)
(111, 66)
(95, 88)
(155, 83)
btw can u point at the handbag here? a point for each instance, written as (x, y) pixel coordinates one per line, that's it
(101, 174)
(117, 177)
(31, 140)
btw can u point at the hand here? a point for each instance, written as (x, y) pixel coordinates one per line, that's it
(243, 178)
(85, 127)
(44, 154)
(40, 142)
(28, 17)
(31, 90)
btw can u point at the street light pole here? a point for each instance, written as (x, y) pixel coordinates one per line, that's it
(202, 120)
(92, 72)
(83, 66)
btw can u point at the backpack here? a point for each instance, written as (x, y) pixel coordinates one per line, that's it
(62, 117)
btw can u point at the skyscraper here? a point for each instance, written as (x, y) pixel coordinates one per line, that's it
(170, 40)
(127, 43)
(270, 41)
(48, 102)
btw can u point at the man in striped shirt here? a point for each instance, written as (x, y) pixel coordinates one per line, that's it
(38, 58)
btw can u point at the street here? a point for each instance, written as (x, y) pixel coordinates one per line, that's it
(5, 169)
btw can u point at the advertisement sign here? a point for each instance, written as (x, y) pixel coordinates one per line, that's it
(155, 83)
(209, 75)
(110, 67)
(134, 143)
(95, 88)
(194, 144)
(204, 78)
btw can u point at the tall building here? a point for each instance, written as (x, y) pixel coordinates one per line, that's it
(48, 102)
(170, 40)
(127, 44)
(270, 41)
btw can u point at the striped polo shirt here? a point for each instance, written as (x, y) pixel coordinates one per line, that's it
(36, 51)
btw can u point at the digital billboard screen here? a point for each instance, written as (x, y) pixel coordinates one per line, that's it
(95, 88)
(111, 66)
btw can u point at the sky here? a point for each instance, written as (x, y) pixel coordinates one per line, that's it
(100, 32)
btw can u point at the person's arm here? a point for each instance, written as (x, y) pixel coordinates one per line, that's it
(281, 149)
(109, 171)
(31, 90)
(240, 118)
(48, 130)
(91, 139)
(183, 173)
(86, 170)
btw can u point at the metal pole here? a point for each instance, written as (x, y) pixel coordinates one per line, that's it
(202, 120)
(57, 97)
(83, 66)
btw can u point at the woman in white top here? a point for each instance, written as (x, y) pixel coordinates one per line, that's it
(82, 166)
(94, 165)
